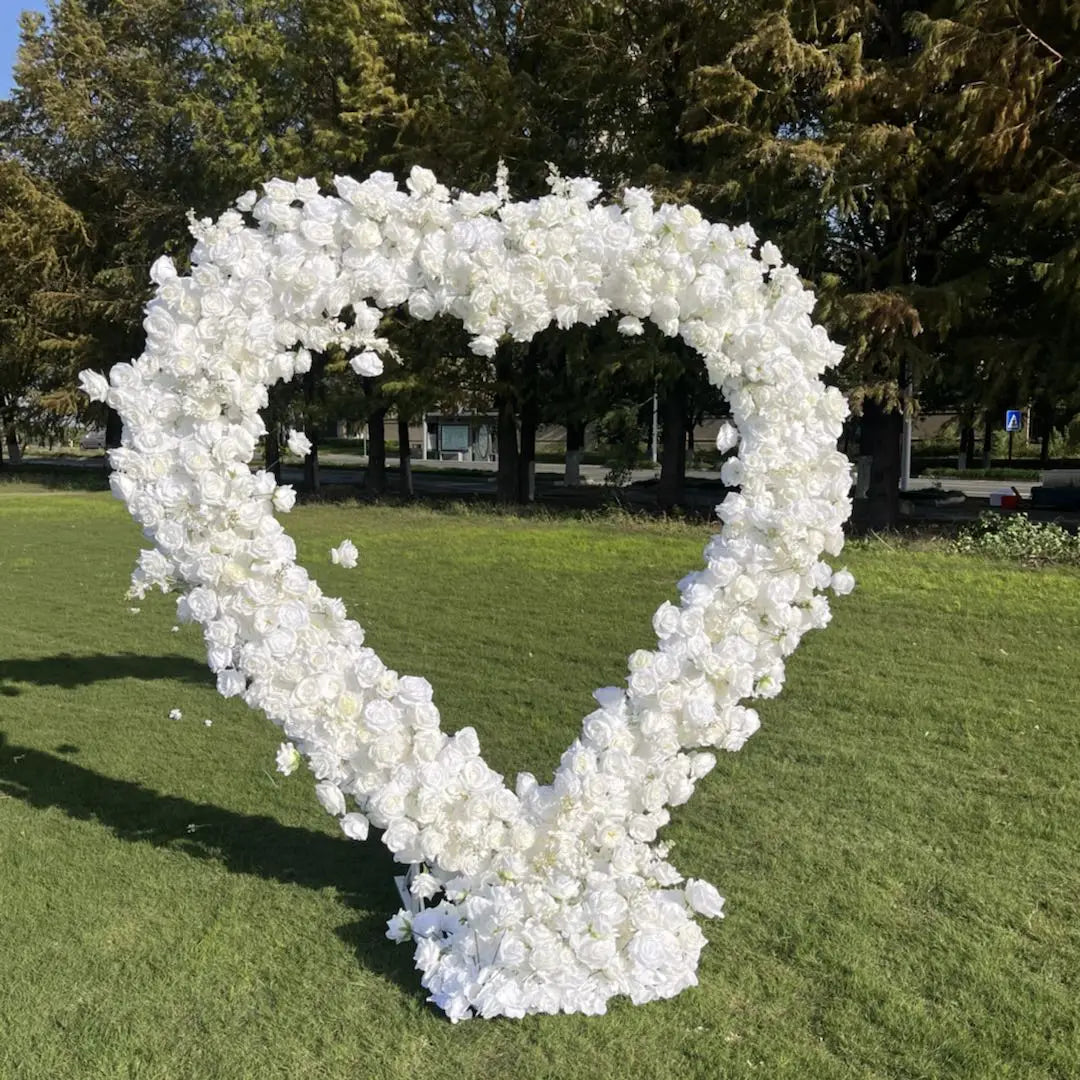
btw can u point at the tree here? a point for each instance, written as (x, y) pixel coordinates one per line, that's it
(301, 88)
(885, 146)
(41, 238)
(97, 113)
(298, 88)
(528, 85)
(138, 111)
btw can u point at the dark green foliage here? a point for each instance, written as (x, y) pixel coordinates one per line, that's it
(916, 160)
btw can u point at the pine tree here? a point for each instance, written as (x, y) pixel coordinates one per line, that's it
(41, 239)
(97, 113)
(889, 144)
(138, 111)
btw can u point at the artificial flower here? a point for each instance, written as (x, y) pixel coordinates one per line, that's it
(544, 897)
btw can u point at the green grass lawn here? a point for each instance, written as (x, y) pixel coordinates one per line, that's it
(899, 844)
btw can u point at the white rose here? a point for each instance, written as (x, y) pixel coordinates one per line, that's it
(231, 682)
(704, 898)
(654, 950)
(399, 835)
(94, 385)
(421, 181)
(597, 953)
(727, 437)
(287, 759)
(162, 270)
(425, 886)
(367, 363)
(599, 728)
(399, 928)
(280, 190)
(427, 743)
(842, 582)
(280, 642)
(284, 498)
(218, 657)
(298, 443)
(329, 794)
(475, 775)
(355, 826)
(414, 690)
(770, 254)
(666, 620)
(422, 305)
(318, 232)
(388, 750)
(344, 555)
(202, 604)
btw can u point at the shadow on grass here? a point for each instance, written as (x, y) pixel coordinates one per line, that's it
(71, 671)
(244, 844)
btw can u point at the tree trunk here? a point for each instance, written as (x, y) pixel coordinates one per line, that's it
(272, 448)
(1046, 419)
(526, 467)
(575, 451)
(988, 444)
(405, 483)
(13, 448)
(375, 476)
(506, 481)
(312, 479)
(669, 492)
(114, 430)
(967, 446)
(1, 455)
(312, 386)
(880, 441)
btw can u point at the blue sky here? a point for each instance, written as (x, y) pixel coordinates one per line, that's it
(9, 36)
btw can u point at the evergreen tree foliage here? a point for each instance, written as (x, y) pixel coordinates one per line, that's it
(916, 159)
(41, 240)
(912, 158)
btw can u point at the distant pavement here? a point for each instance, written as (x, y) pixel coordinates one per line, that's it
(349, 469)
(594, 474)
(974, 489)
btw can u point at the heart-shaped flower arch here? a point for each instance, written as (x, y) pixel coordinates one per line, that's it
(549, 897)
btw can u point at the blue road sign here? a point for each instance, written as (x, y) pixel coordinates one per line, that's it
(1012, 419)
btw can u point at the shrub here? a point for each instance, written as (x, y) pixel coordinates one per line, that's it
(1006, 473)
(1017, 537)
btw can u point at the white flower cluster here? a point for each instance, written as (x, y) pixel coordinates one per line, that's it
(546, 897)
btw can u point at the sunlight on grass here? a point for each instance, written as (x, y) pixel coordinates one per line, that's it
(898, 845)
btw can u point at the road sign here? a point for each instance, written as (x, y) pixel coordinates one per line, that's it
(1012, 419)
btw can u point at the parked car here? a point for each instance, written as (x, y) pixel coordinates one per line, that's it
(93, 440)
